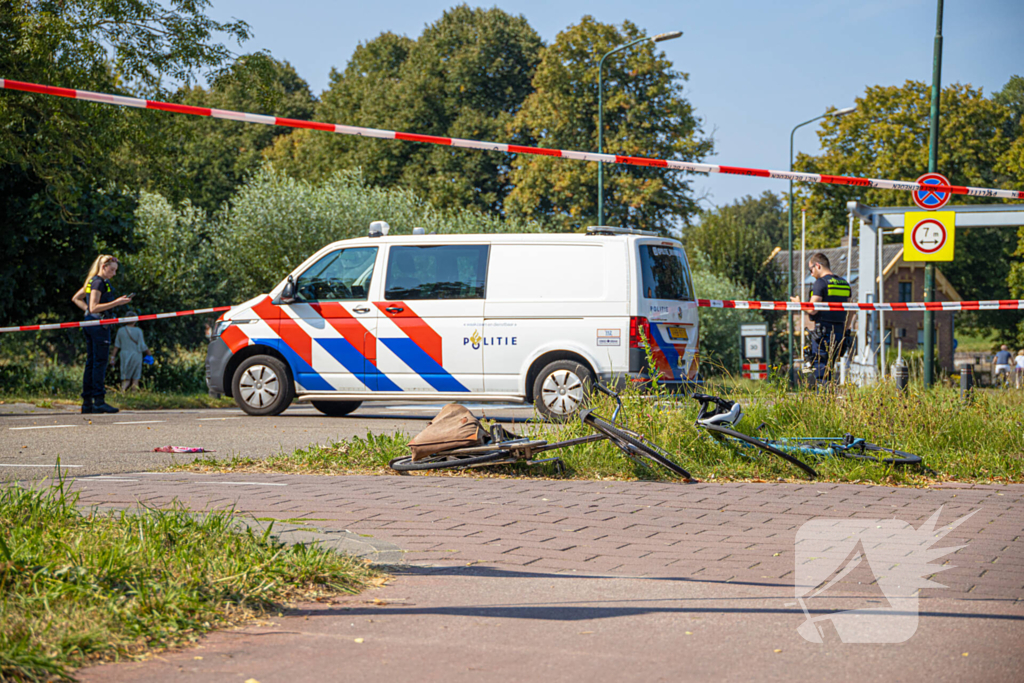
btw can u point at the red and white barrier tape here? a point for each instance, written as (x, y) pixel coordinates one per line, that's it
(1004, 305)
(113, 321)
(907, 186)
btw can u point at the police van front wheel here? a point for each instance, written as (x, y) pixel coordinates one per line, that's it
(261, 386)
(561, 388)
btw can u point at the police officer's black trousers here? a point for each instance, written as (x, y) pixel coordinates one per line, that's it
(826, 344)
(97, 352)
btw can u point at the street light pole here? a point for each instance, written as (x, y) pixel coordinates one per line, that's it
(600, 112)
(789, 277)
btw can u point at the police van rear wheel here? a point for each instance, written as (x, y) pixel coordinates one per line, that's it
(336, 408)
(261, 386)
(561, 388)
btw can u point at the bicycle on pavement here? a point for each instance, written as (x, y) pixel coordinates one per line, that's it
(504, 447)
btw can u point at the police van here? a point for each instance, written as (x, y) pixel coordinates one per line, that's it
(498, 317)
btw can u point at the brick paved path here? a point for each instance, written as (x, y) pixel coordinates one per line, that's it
(714, 532)
(594, 581)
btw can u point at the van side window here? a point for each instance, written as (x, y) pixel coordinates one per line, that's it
(457, 271)
(342, 275)
(665, 275)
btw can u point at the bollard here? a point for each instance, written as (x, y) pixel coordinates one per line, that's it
(967, 383)
(900, 371)
(901, 374)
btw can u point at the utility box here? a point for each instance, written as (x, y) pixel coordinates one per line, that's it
(754, 351)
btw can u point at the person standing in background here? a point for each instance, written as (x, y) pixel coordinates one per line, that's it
(132, 345)
(1002, 367)
(96, 298)
(1019, 363)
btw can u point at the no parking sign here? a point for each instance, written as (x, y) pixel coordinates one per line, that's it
(928, 236)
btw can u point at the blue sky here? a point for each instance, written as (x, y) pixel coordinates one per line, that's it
(756, 68)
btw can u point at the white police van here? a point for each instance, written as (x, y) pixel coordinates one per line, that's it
(501, 317)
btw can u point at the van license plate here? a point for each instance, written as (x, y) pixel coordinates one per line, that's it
(678, 333)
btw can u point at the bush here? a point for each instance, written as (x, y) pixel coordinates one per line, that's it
(275, 222)
(719, 328)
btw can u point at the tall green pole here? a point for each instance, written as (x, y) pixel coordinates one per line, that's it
(671, 35)
(600, 126)
(933, 160)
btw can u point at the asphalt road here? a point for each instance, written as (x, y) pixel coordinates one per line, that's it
(32, 439)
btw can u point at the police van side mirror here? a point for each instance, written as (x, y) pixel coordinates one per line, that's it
(288, 293)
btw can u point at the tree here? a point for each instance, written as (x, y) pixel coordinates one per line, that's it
(466, 76)
(887, 137)
(61, 200)
(645, 114)
(739, 241)
(203, 159)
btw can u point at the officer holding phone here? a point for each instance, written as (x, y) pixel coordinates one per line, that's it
(97, 299)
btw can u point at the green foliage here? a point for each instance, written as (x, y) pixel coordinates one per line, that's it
(47, 252)
(63, 181)
(94, 45)
(981, 143)
(719, 327)
(204, 159)
(77, 587)
(275, 222)
(738, 241)
(466, 76)
(645, 114)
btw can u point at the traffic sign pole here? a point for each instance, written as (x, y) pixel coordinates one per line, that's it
(933, 160)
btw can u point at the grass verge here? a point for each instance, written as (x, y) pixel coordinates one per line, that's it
(981, 442)
(77, 588)
(131, 400)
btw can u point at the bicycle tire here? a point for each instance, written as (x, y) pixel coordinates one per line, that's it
(901, 457)
(753, 441)
(445, 461)
(627, 441)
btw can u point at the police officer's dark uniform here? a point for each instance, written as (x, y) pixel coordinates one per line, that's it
(828, 340)
(97, 350)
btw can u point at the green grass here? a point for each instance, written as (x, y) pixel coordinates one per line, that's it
(980, 442)
(81, 587)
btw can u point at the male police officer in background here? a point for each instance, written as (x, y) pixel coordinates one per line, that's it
(828, 339)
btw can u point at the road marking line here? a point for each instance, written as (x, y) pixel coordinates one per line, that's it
(219, 418)
(238, 483)
(139, 422)
(8, 464)
(41, 427)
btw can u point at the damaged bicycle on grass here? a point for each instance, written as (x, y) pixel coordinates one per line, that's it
(456, 440)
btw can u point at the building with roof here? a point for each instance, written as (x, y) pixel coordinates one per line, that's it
(903, 280)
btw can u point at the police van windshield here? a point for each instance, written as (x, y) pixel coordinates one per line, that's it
(665, 274)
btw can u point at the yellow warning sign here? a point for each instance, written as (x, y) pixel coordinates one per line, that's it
(928, 235)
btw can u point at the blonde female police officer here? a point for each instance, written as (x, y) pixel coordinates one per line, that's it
(97, 299)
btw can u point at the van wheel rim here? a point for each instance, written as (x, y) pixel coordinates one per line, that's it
(562, 392)
(259, 386)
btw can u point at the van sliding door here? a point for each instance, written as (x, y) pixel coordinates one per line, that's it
(427, 336)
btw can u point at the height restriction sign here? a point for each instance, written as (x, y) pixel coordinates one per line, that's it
(928, 236)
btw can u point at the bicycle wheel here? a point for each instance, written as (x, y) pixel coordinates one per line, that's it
(448, 461)
(732, 433)
(862, 450)
(634, 445)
